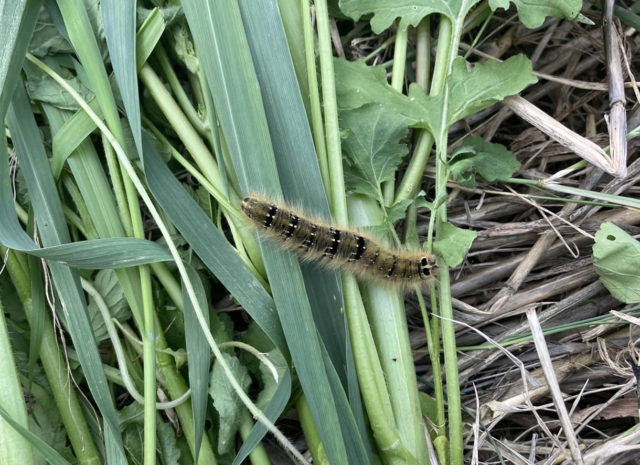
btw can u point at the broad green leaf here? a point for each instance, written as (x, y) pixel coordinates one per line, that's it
(209, 243)
(226, 401)
(47, 39)
(492, 162)
(106, 283)
(471, 91)
(410, 12)
(46, 423)
(452, 243)
(616, 257)
(169, 450)
(372, 147)
(99, 254)
(358, 84)
(119, 20)
(132, 425)
(467, 91)
(43, 88)
(259, 107)
(76, 129)
(532, 13)
(397, 211)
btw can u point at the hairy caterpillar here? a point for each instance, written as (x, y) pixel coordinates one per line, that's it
(339, 248)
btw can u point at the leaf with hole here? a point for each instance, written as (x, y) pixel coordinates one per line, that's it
(452, 243)
(616, 257)
(478, 158)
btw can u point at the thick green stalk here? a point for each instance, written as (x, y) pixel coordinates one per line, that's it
(446, 55)
(311, 434)
(332, 128)
(447, 326)
(149, 364)
(397, 82)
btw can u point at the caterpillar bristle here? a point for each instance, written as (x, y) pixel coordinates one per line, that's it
(339, 248)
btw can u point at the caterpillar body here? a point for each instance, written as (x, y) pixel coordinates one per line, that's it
(339, 248)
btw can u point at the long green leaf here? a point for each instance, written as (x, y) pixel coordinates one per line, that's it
(198, 356)
(119, 21)
(17, 21)
(53, 231)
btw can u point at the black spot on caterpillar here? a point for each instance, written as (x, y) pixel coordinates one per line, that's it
(339, 248)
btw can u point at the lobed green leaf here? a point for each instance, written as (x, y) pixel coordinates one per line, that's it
(491, 162)
(372, 147)
(410, 12)
(532, 13)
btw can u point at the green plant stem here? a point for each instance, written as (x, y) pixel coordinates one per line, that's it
(397, 82)
(149, 364)
(118, 190)
(181, 125)
(383, 358)
(383, 46)
(314, 98)
(310, 432)
(258, 455)
(178, 91)
(434, 355)
(447, 327)
(332, 130)
(423, 53)
(371, 377)
(412, 178)
(54, 366)
(173, 381)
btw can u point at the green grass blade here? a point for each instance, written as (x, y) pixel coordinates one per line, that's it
(119, 21)
(17, 21)
(13, 447)
(82, 36)
(53, 231)
(275, 407)
(98, 254)
(198, 355)
(49, 453)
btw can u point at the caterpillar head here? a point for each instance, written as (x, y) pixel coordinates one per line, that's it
(426, 264)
